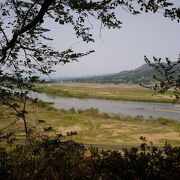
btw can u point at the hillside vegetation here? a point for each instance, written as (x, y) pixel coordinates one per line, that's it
(143, 74)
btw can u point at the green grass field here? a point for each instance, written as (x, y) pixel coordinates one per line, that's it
(114, 92)
(94, 127)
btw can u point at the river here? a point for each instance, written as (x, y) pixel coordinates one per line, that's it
(146, 109)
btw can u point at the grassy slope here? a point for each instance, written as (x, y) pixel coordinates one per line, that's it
(100, 128)
(114, 92)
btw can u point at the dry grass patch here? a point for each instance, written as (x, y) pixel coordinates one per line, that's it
(114, 92)
(160, 138)
(92, 128)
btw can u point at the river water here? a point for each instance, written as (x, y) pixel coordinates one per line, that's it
(146, 109)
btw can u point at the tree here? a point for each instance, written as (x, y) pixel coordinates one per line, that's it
(169, 75)
(24, 53)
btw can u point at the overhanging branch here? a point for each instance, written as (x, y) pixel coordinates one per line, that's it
(24, 29)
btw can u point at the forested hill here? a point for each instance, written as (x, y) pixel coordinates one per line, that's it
(142, 74)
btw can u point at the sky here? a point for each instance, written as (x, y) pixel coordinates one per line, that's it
(120, 49)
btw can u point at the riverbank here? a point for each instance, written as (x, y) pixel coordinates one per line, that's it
(111, 92)
(94, 127)
(128, 108)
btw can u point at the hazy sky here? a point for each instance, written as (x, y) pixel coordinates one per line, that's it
(122, 49)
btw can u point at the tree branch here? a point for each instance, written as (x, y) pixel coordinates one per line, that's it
(29, 26)
(1, 29)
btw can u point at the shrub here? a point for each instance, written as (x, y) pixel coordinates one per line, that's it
(105, 115)
(139, 118)
(56, 159)
(43, 104)
(72, 110)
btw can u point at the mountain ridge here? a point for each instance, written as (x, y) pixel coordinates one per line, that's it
(142, 74)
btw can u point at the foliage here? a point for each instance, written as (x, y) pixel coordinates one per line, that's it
(169, 75)
(57, 159)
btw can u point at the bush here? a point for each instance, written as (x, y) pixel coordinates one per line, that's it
(56, 159)
(91, 112)
(43, 104)
(105, 115)
(72, 110)
(139, 118)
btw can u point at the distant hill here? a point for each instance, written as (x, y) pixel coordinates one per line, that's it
(143, 74)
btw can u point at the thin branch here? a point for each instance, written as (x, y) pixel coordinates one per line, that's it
(24, 20)
(100, 33)
(29, 26)
(10, 105)
(4, 35)
(9, 125)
